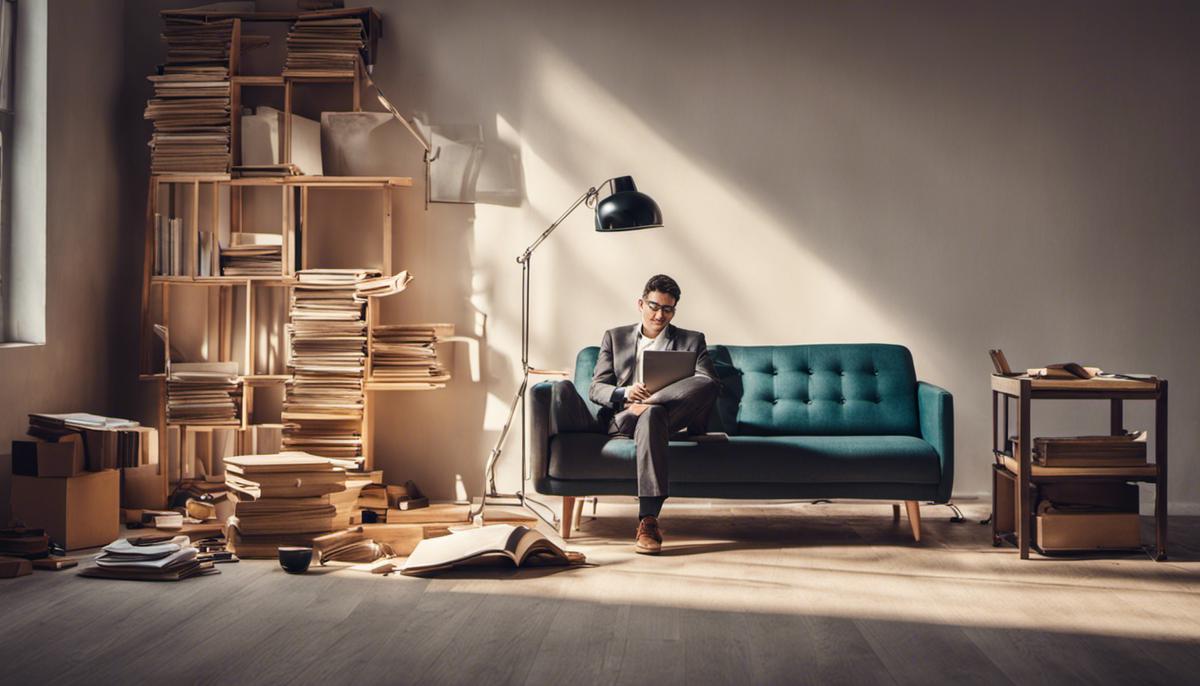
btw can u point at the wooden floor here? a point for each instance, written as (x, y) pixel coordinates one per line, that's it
(778, 593)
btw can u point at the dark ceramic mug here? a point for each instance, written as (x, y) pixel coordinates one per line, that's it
(295, 559)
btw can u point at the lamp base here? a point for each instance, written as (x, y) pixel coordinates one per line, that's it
(493, 499)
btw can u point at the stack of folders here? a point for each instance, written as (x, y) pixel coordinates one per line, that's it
(253, 254)
(324, 47)
(191, 103)
(203, 393)
(150, 558)
(286, 499)
(323, 402)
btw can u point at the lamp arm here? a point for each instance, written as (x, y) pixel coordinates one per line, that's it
(589, 196)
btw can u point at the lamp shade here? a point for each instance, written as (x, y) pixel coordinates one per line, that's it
(627, 209)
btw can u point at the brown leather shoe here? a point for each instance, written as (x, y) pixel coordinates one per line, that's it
(649, 538)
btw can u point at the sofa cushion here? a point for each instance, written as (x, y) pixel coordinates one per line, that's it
(755, 459)
(830, 390)
(814, 390)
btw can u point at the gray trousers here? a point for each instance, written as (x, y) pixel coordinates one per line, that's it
(682, 405)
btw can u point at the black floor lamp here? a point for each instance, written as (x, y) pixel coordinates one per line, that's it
(625, 209)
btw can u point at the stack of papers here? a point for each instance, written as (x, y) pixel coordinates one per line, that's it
(81, 420)
(383, 285)
(324, 47)
(253, 254)
(190, 107)
(203, 393)
(149, 559)
(323, 404)
(408, 352)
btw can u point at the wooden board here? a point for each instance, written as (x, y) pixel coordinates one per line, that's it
(1141, 472)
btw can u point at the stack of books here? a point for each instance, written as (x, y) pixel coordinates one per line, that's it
(203, 393)
(286, 499)
(324, 47)
(107, 442)
(169, 248)
(253, 254)
(31, 544)
(323, 402)
(150, 558)
(1127, 450)
(408, 353)
(191, 103)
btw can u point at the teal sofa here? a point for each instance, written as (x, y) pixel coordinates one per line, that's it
(804, 422)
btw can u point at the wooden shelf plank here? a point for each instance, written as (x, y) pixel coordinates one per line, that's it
(190, 178)
(1139, 473)
(266, 280)
(224, 280)
(320, 77)
(259, 80)
(364, 12)
(402, 386)
(319, 181)
(327, 181)
(1075, 388)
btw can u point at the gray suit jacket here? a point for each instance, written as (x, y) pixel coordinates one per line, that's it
(618, 355)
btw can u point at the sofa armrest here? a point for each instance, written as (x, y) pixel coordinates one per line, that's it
(540, 428)
(936, 407)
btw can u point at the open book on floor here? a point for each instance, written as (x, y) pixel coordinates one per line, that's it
(519, 545)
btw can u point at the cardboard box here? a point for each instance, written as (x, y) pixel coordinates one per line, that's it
(143, 488)
(1092, 531)
(77, 512)
(43, 458)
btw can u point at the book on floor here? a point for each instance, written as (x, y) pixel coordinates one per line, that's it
(517, 545)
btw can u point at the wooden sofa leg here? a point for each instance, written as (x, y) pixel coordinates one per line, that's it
(914, 518)
(895, 512)
(568, 513)
(577, 516)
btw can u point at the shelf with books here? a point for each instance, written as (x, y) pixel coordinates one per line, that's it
(1013, 451)
(260, 80)
(235, 305)
(389, 386)
(404, 357)
(374, 182)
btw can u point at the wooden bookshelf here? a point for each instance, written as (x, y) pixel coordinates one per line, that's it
(1016, 462)
(232, 324)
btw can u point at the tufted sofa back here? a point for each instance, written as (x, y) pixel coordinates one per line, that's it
(790, 390)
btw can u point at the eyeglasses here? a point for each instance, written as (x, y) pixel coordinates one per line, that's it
(655, 307)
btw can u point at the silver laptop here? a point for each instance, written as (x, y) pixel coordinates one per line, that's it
(661, 368)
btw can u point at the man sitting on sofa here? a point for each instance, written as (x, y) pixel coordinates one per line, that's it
(629, 409)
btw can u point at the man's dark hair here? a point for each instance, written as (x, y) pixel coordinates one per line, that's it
(663, 284)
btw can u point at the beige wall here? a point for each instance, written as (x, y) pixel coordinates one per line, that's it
(85, 292)
(947, 176)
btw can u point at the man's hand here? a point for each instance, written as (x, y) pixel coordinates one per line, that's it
(637, 393)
